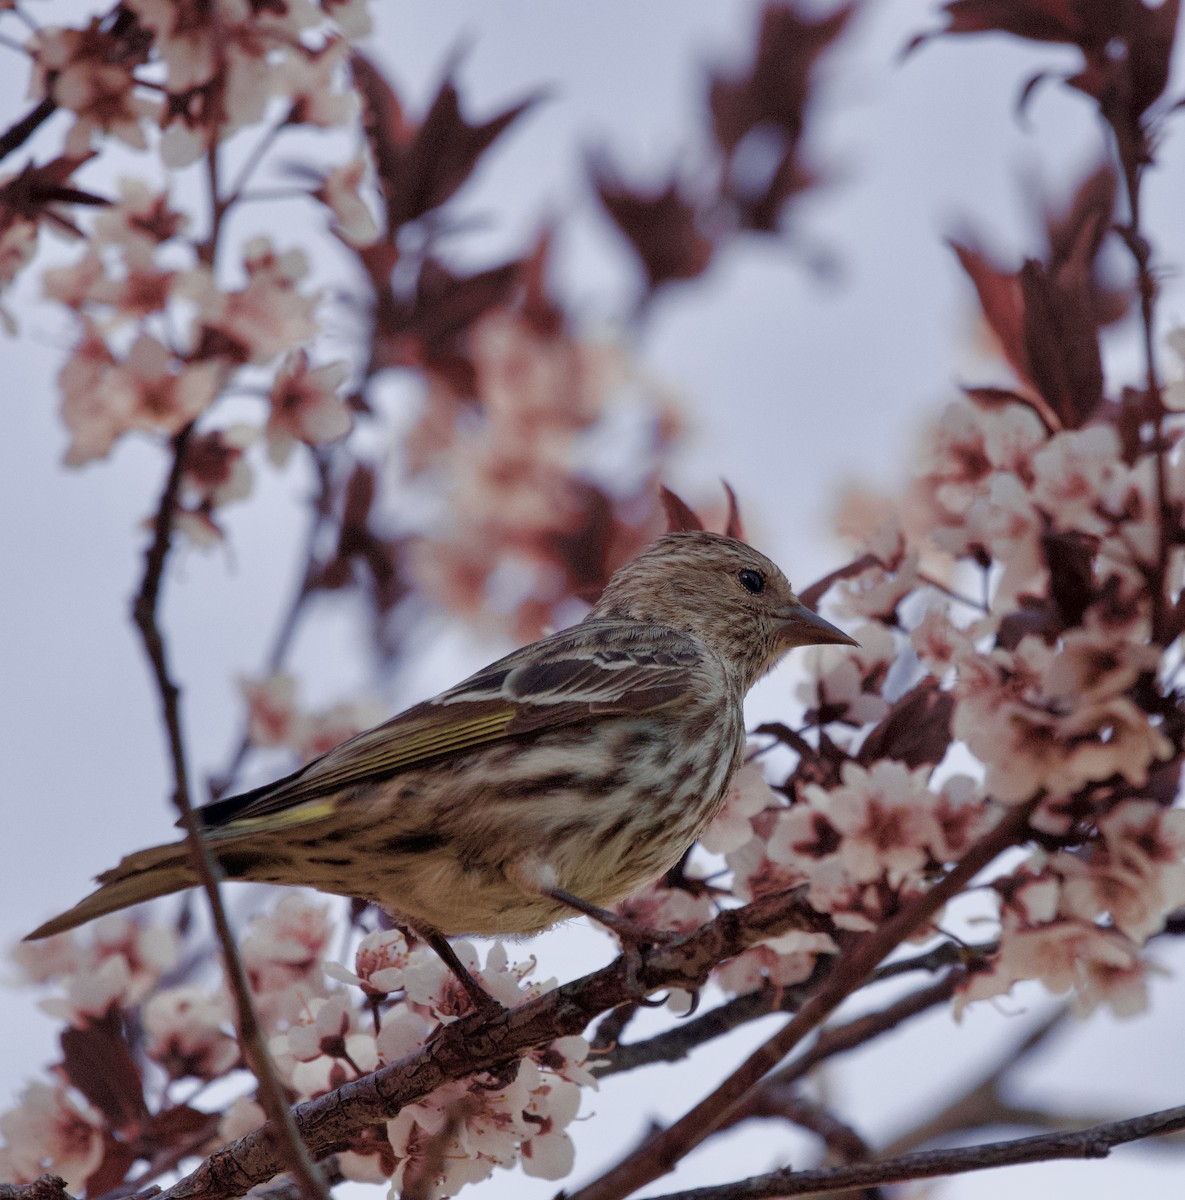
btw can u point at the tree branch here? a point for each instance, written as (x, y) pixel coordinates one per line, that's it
(660, 1153)
(1095, 1142)
(675, 1044)
(479, 1043)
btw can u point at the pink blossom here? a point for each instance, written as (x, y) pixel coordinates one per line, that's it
(884, 817)
(1136, 874)
(748, 795)
(140, 222)
(187, 1033)
(305, 406)
(82, 70)
(149, 390)
(1028, 740)
(488, 1128)
(271, 708)
(18, 245)
(282, 956)
(661, 907)
(325, 1048)
(50, 959)
(265, 318)
(782, 961)
(216, 471)
(1099, 966)
(339, 192)
(379, 963)
(846, 685)
(308, 80)
(50, 1131)
(939, 643)
(876, 591)
(93, 421)
(1072, 472)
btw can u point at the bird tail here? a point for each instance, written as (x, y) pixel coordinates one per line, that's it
(145, 875)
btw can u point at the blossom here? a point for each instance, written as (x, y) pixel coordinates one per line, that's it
(216, 470)
(265, 318)
(1098, 966)
(846, 686)
(187, 1033)
(1028, 739)
(379, 962)
(324, 1048)
(884, 819)
(671, 908)
(139, 222)
(1072, 472)
(306, 79)
(487, 1127)
(50, 1131)
(305, 406)
(89, 72)
(282, 956)
(271, 709)
(339, 193)
(1135, 872)
(748, 794)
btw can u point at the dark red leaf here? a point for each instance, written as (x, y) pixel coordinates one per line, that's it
(680, 518)
(35, 193)
(1036, 20)
(584, 546)
(1070, 559)
(915, 731)
(662, 227)
(538, 309)
(97, 1061)
(178, 1124)
(113, 1168)
(775, 89)
(1062, 343)
(996, 398)
(428, 330)
(1002, 303)
(769, 101)
(419, 168)
(1033, 617)
(813, 594)
(733, 527)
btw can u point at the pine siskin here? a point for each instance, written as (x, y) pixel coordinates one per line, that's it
(563, 776)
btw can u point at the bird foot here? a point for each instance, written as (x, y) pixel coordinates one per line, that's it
(629, 932)
(483, 1002)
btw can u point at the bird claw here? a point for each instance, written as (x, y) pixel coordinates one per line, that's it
(628, 932)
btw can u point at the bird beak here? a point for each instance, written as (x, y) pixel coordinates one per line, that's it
(801, 627)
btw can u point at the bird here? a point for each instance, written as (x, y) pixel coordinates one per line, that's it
(557, 780)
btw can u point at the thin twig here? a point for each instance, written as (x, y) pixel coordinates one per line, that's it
(1097, 1141)
(145, 609)
(675, 1044)
(660, 1153)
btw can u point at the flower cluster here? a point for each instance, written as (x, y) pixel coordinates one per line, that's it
(327, 1025)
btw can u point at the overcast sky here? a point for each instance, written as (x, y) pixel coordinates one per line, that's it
(795, 387)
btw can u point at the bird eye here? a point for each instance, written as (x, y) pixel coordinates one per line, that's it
(752, 581)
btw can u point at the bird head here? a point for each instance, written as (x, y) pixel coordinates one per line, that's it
(723, 593)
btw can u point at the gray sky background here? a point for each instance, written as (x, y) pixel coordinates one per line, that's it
(794, 387)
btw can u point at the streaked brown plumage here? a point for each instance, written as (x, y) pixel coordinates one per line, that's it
(586, 763)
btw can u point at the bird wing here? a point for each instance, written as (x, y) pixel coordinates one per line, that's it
(595, 669)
